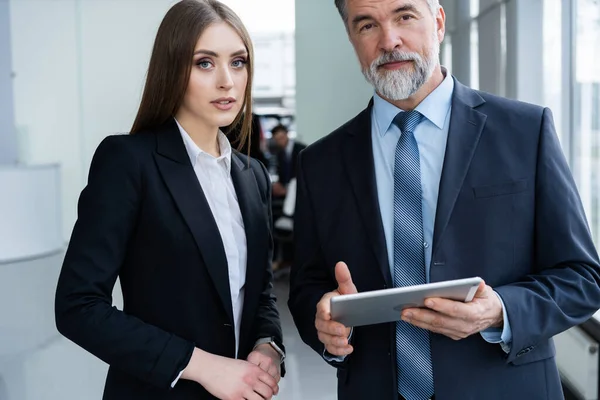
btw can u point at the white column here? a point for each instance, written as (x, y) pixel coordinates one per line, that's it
(525, 45)
(330, 89)
(8, 137)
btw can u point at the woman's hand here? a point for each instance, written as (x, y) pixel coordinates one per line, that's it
(230, 379)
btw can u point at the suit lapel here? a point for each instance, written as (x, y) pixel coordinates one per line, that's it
(358, 159)
(466, 125)
(177, 171)
(255, 227)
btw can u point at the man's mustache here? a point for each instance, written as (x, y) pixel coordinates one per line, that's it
(395, 56)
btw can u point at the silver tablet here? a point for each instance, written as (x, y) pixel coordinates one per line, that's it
(377, 306)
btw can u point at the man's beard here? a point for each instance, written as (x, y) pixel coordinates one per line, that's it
(402, 83)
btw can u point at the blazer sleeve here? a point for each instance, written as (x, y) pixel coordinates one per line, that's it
(309, 278)
(564, 291)
(268, 322)
(107, 212)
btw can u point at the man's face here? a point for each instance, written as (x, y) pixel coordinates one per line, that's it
(397, 43)
(281, 139)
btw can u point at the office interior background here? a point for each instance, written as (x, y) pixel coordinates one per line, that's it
(72, 71)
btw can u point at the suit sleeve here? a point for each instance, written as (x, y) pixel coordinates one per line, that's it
(268, 322)
(309, 278)
(107, 213)
(564, 291)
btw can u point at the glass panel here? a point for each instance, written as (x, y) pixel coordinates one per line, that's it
(474, 54)
(553, 62)
(587, 109)
(446, 53)
(474, 8)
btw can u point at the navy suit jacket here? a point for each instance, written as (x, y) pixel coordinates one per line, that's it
(508, 211)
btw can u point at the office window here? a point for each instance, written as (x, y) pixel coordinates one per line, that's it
(554, 60)
(586, 137)
(596, 106)
(446, 53)
(474, 54)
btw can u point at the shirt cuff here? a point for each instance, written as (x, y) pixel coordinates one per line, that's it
(331, 358)
(502, 336)
(176, 380)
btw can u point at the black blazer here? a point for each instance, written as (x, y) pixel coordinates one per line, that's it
(285, 171)
(507, 210)
(144, 218)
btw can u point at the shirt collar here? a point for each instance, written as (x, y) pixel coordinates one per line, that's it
(434, 107)
(290, 146)
(194, 151)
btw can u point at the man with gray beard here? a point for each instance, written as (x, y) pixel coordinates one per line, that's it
(435, 181)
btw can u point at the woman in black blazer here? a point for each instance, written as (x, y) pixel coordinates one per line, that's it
(184, 222)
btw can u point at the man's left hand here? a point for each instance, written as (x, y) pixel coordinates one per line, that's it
(267, 359)
(456, 319)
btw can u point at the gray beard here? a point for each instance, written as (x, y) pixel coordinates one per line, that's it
(401, 84)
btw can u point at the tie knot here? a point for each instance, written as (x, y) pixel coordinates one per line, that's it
(408, 121)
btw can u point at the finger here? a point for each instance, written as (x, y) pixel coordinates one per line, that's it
(274, 372)
(344, 279)
(438, 323)
(333, 340)
(455, 309)
(260, 360)
(254, 358)
(265, 363)
(481, 290)
(323, 312)
(339, 351)
(251, 395)
(265, 391)
(268, 380)
(324, 306)
(442, 331)
(330, 327)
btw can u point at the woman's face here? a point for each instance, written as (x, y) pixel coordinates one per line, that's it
(215, 93)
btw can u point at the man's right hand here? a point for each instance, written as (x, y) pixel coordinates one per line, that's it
(230, 379)
(333, 334)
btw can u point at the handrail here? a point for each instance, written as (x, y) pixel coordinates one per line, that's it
(32, 257)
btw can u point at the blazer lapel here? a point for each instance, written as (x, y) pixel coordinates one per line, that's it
(466, 125)
(359, 162)
(255, 226)
(177, 171)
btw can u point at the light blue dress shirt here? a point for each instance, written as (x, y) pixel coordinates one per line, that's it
(431, 136)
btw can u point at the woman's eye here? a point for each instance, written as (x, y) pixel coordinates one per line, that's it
(204, 64)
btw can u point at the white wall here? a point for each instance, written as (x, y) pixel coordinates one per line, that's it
(80, 67)
(46, 95)
(330, 89)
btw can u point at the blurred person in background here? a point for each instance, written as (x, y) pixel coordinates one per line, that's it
(184, 222)
(253, 145)
(288, 150)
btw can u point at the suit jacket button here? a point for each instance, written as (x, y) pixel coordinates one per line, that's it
(524, 351)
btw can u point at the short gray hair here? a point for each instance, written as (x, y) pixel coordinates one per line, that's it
(341, 6)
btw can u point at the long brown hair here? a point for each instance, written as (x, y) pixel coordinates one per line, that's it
(171, 63)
